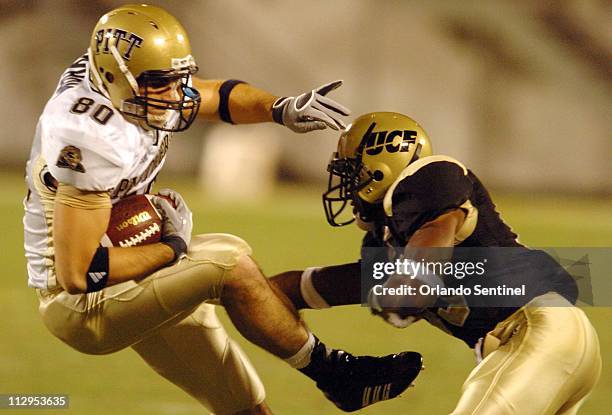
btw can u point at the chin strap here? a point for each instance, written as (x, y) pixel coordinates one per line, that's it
(363, 224)
(123, 68)
(96, 76)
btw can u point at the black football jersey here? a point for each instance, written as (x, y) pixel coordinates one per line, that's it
(437, 184)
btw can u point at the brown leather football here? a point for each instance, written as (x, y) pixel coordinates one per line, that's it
(134, 221)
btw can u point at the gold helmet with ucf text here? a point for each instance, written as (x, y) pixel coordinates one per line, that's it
(136, 50)
(372, 153)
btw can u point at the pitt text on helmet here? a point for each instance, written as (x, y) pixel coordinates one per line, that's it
(103, 37)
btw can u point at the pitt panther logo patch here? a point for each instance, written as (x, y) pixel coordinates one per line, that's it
(70, 158)
(393, 141)
(103, 36)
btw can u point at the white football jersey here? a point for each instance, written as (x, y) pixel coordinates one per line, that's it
(83, 141)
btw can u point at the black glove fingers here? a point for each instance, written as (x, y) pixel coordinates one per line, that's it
(332, 122)
(332, 105)
(327, 88)
(304, 100)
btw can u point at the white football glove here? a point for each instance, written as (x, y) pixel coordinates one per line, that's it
(393, 316)
(400, 310)
(311, 110)
(177, 221)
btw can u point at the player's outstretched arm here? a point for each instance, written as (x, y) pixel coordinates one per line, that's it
(243, 103)
(237, 102)
(341, 284)
(81, 264)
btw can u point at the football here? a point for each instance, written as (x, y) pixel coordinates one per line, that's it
(134, 221)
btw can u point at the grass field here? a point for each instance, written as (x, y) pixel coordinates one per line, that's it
(288, 232)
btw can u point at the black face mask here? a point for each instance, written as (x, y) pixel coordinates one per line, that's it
(369, 212)
(180, 112)
(343, 185)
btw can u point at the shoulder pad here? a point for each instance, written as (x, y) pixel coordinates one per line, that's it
(412, 169)
(85, 155)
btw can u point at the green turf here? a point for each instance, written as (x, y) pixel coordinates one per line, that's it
(287, 232)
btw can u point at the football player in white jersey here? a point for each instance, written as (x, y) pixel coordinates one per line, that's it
(103, 135)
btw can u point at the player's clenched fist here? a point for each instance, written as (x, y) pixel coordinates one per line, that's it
(177, 222)
(311, 110)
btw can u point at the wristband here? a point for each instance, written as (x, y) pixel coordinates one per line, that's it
(97, 274)
(177, 244)
(277, 109)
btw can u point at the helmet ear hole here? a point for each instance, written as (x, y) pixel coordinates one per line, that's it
(109, 77)
(378, 175)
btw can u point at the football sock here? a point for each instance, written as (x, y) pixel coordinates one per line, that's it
(302, 358)
(318, 366)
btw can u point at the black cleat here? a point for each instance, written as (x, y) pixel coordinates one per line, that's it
(355, 382)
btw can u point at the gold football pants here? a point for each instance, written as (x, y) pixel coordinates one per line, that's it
(544, 359)
(165, 320)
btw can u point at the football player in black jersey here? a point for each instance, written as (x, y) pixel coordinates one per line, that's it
(425, 208)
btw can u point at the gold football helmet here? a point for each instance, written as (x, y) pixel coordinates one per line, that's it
(372, 153)
(140, 58)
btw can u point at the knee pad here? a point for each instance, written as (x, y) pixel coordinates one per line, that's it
(221, 249)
